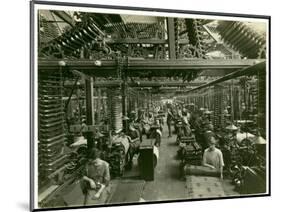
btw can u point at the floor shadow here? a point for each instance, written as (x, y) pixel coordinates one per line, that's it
(23, 206)
(174, 171)
(172, 143)
(136, 177)
(176, 157)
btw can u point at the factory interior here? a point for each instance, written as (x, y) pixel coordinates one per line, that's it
(132, 108)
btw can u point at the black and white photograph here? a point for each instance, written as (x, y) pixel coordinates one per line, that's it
(138, 106)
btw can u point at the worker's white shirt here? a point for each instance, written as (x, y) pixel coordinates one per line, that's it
(188, 116)
(213, 158)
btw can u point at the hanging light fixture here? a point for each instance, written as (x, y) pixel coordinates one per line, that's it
(259, 139)
(207, 112)
(231, 127)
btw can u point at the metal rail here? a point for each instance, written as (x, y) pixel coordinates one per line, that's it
(107, 66)
(255, 69)
(117, 83)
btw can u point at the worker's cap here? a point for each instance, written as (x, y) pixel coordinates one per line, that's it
(231, 127)
(207, 112)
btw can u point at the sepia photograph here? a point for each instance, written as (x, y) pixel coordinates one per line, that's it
(139, 106)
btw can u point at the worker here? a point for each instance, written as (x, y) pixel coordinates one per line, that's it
(186, 126)
(150, 118)
(185, 121)
(95, 180)
(207, 134)
(134, 145)
(133, 133)
(170, 118)
(133, 116)
(197, 124)
(188, 115)
(213, 157)
(177, 119)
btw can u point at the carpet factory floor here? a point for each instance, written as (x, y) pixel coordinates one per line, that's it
(167, 184)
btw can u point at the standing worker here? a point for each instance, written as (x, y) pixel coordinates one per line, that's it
(213, 157)
(170, 117)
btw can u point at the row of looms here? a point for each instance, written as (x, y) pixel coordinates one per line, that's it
(100, 73)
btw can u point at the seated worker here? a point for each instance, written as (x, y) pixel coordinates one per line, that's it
(213, 157)
(96, 179)
(145, 125)
(150, 118)
(133, 133)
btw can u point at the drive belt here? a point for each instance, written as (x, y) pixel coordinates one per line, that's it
(49, 106)
(48, 115)
(51, 120)
(54, 110)
(48, 147)
(45, 96)
(52, 166)
(51, 157)
(53, 139)
(48, 130)
(51, 133)
(52, 124)
(49, 101)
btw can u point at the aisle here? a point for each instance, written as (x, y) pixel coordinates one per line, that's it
(167, 184)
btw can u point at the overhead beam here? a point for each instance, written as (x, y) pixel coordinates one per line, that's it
(137, 67)
(117, 83)
(162, 84)
(141, 84)
(252, 70)
(196, 64)
(141, 41)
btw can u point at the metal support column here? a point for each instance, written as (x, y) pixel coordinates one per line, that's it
(89, 84)
(124, 97)
(99, 105)
(171, 38)
(124, 91)
(147, 100)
